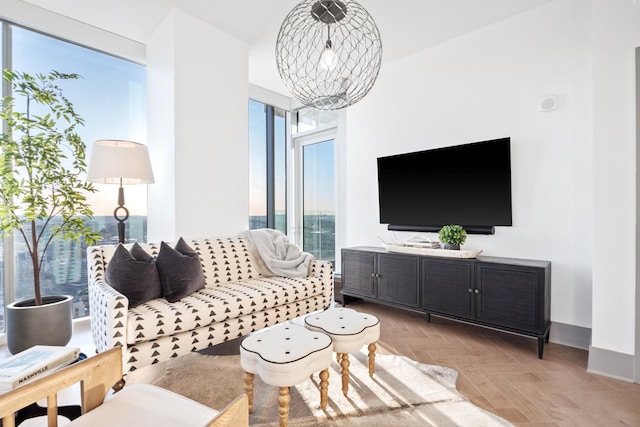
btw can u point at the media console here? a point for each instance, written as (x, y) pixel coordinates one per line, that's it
(507, 294)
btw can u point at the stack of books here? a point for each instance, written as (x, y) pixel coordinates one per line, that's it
(33, 363)
(419, 243)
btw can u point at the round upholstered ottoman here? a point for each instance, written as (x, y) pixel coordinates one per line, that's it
(349, 330)
(283, 356)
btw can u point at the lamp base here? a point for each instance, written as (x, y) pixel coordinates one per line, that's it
(124, 217)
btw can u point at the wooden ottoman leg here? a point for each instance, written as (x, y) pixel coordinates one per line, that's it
(283, 406)
(248, 388)
(345, 373)
(338, 355)
(324, 387)
(372, 359)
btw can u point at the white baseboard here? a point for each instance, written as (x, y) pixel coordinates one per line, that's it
(611, 364)
(570, 335)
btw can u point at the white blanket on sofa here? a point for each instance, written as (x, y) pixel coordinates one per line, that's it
(274, 255)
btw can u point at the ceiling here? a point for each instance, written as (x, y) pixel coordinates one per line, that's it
(406, 26)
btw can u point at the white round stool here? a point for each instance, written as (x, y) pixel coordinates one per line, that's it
(283, 356)
(349, 330)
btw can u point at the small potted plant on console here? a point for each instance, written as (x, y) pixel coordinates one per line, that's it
(452, 236)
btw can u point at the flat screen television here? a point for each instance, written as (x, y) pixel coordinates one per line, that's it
(467, 184)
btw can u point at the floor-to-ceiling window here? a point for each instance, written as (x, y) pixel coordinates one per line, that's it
(267, 167)
(318, 199)
(111, 98)
(311, 220)
(314, 134)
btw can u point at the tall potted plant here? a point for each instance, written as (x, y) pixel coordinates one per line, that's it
(42, 195)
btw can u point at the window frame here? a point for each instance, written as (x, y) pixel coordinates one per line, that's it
(299, 141)
(270, 147)
(130, 51)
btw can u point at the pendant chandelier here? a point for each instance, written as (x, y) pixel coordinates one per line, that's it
(328, 53)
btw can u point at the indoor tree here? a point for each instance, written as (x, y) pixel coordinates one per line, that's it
(42, 167)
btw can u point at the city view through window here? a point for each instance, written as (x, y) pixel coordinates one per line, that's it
(319, 218)
(268, 184)
(111, 98)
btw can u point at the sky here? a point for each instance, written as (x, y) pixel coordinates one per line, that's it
(318, 165)
(110, 97)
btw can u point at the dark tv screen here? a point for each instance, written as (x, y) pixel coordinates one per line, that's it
(468, 184)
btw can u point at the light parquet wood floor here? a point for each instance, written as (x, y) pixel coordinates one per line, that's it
(501, 372)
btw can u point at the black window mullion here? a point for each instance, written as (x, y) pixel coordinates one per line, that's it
(271, 192)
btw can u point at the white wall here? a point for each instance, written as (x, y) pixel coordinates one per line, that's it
(198, 121)
(616, 34)
(33, 17)
(487, 85)
(161, 75)
(574, 170)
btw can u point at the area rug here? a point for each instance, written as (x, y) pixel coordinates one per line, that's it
(401, 392)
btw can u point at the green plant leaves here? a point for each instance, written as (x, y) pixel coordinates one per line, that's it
(42, 165)
(452, 234)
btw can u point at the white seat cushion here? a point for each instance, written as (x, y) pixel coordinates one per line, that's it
(285, 355)
(147, 405)
(349, 329)
(158, 317)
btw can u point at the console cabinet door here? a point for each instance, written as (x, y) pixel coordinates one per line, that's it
(398, 279)
(447, 286)
(511, 296)
(358, 273)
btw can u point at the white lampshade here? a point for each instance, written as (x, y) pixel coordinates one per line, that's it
(116, 161)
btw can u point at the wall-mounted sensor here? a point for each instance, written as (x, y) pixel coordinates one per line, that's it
(548, 103)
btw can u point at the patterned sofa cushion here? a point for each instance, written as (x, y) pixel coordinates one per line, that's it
(158, 317)
(224, 260)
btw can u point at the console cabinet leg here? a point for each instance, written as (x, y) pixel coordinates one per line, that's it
(346, 299)
(540, 346)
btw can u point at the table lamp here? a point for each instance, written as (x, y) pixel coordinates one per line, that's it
(120, 162)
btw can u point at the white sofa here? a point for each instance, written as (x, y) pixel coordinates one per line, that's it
(236, 301)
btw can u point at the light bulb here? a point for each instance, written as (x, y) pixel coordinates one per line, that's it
(328, 57)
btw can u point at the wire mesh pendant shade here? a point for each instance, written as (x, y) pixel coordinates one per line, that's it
(328, 53)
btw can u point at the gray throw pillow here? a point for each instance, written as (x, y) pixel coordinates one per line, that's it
(140, 254)
(134, 274)
(180, 271)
